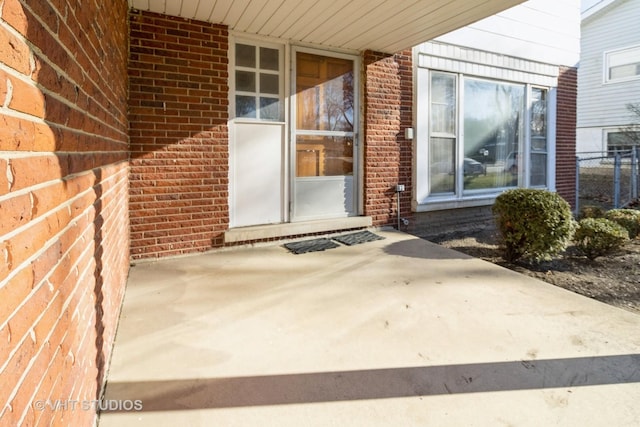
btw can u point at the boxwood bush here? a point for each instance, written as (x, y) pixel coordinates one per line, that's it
(533, 224)
(599, 236)
(628, 218)
(591, 212)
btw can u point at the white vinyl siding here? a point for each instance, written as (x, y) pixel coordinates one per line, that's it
(547, 31)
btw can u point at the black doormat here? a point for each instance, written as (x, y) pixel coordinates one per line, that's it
(314, 245)
(357, 238)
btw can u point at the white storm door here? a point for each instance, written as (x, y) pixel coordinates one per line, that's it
(324, 153)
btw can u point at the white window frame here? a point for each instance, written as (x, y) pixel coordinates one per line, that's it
(607, 57)
(423, 201)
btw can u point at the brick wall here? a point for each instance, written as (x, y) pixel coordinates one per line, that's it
(179, 138)
(63, 202)
(566, 134)
(388, 103)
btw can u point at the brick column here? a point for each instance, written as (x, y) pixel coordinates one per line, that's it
(388, 110)
(566, 134)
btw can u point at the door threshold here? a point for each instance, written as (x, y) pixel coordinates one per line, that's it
(276, 231)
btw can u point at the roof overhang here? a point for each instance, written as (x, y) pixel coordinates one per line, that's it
(380, 25)
(596, 9)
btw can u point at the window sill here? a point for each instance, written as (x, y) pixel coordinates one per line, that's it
(443, 204)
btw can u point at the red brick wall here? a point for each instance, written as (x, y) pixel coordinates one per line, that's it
(388, 103)
(63, 202)
(179, 138)
(566, 134)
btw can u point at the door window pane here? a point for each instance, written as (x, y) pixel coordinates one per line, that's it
(324, 156)
(269, 108)
(324, 115)
(269, 83)
(324, 93)
(269, 59)
(246, 106)
(245, 56)
(246, 81)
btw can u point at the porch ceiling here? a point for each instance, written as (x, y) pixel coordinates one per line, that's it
(380, 25)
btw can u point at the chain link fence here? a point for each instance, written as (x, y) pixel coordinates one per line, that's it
(607, 181)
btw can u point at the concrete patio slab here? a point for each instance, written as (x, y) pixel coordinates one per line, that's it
(394, 332)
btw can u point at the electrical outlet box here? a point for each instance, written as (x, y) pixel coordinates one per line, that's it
(399, 188)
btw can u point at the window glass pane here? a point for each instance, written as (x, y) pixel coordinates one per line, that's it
(538, 113)
(269, 59)
(442, 165)
(538, 169)
(245, 56)
(245, 106)
(620, 142)
(246, 81)
(443, 103)
(492, 133)
(624, 71)
(324, 93)
(270, 108)
(324, 156)
(269, 83)
(538, 159)
(623, 64)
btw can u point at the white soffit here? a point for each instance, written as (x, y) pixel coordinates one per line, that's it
(380, 25)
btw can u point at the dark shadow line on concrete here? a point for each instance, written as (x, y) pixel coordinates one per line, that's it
(231, 392)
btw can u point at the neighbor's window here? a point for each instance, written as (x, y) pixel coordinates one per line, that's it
(623, 64)
(258, 91)
(491, 136)
(621, 142)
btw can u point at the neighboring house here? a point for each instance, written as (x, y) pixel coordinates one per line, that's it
(609, 75)
(162, 128)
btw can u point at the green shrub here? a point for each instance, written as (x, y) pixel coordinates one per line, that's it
(591, 212)
(533, 224)
(599, 236)
(628, 218)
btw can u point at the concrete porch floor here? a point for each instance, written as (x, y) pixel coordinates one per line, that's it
(397, 332)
